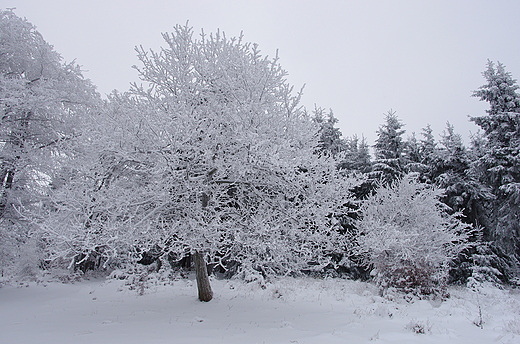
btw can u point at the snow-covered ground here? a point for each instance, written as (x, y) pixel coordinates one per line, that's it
(285, 311)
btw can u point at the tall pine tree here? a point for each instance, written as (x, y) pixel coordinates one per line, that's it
(356, 155)
(330, 141)
(389, 149)
(499, 166)
(450, 170)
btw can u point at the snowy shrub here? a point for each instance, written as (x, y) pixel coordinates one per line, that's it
(143, 277)
(419, 327)
(407, 238)
(28, 261)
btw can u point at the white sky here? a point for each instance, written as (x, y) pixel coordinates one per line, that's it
(360, 58)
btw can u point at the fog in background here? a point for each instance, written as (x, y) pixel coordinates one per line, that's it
(422, 59)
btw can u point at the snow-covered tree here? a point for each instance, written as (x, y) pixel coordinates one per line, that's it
(389, 149)
(500, 91)
(499, 165)
(427, 144)
(413, 159)
(450, 170)
(330, 141)
(413, 149)
(408, 238)
(356, 155)
(212, 155)
(418, 154)
(42, 104)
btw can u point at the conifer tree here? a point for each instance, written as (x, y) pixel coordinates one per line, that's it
(330, 141)
(389, 149)
(499, 166)
(427, 145)
(423, 154)
(356, 155)
(451, 171)
(413, 159)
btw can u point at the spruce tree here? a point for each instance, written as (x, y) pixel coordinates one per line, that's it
(428, 144)
(451, 165)
(427, 150)
(499, 165)
(413, 156)
(389, 149)
(356, 155)
(330, 141)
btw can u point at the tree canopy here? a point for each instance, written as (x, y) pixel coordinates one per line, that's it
(43, 102)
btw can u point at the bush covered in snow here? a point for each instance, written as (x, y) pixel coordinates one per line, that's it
(408, 238)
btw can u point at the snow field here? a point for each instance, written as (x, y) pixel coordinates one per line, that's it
(285, 311)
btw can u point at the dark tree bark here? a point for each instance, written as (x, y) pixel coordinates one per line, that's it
(201, 271)
(6, 184)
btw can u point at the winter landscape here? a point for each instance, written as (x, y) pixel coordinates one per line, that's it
(206, 204)
(285, 311)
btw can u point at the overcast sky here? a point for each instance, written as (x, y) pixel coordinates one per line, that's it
(360, 58)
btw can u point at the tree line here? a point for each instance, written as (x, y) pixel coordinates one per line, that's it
(479, 182)
(211, 158)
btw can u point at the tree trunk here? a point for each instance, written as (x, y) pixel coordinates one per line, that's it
(201, 271)
(5, 186)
